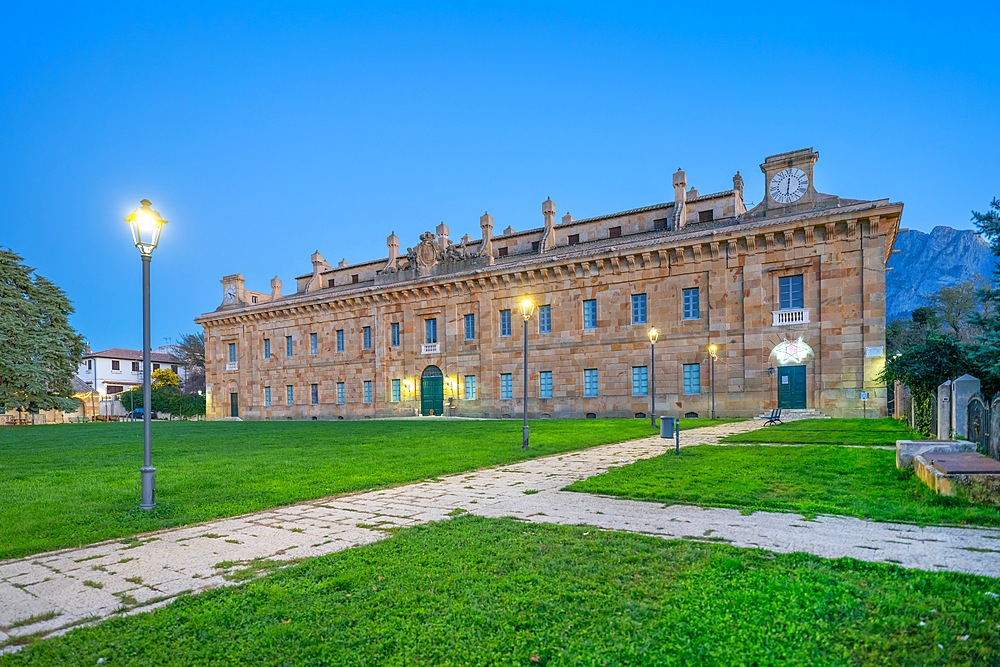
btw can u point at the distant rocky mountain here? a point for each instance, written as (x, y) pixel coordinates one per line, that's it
(925, 262)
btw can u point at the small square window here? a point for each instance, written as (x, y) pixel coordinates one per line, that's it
(535, 245)
(135, 367)
(355, 278)
(614, 232)
(706, 216)
(502, 251)
(116, 365)
(331, 282)
(574, 239)
(660, 225)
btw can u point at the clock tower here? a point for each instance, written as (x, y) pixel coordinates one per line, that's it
(788, 182)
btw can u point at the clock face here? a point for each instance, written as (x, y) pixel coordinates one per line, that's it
(230, 294)
(788, 185)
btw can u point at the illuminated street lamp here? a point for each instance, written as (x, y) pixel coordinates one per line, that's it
(713, 350)
(527, 309)
(146, 225)
(653, 335)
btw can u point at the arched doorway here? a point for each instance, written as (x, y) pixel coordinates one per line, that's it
(432, 391)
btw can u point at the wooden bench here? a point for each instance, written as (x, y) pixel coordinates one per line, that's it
(775, 417)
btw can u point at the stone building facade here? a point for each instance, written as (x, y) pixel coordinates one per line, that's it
(791, 293)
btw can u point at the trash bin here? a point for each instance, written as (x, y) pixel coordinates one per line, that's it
(666, 427)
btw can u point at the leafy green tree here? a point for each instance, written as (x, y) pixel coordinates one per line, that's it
(987, 353)
(166, 399)
(957, 305)
(41, 351)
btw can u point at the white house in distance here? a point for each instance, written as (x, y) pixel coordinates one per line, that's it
(117, 369)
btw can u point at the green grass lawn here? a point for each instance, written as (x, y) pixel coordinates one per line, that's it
(66, 485)
(864, 432)
(475, 591)
(809, 480)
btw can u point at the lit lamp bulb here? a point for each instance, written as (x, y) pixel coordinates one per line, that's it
(146, 225)
(526, 308)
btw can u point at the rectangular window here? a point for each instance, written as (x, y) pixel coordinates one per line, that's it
(135, 367)
(340, 393)
(156, 367)
(706, 216)
(314, 393)
(115, 388)
(545, 384)
(89, 364)
(590, 314)
(431, 330)
(470, 327)
(355, 277)
(368, 391)
(545, 319)
(288, 346)
(267, 348)
(590, 382)
(638, 309)
(289, 395)
(506, 385)
(470, 387)
(574, 239)
(692, 378)
(535, 245)
(502, 252)
(232, 353)
(313, 343)
(640, 381)
(395, 334)
(267, 396)
(331, 282)
(691, 303)
(790, 292)
(116, 365)
(504, 322)
(340, 340)
(367, 335)
(173, 367)
(614, 232)
(395, 391)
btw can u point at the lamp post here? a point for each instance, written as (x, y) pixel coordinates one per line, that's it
(146, 225)
(713, 350)
(527, 309)
(653, 335)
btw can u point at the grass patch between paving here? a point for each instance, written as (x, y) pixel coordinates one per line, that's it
(475, 591)
(860, 432)
(73, 484)
(809, 480)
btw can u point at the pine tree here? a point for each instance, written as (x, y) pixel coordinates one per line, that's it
(39, 350)
(987, 353)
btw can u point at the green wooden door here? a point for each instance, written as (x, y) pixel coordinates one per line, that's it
(432, 391)
(234, 405)
(792, 387)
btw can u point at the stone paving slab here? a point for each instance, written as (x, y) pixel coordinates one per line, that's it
(136, 576)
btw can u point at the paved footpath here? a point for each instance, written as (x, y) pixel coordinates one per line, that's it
(52, 592)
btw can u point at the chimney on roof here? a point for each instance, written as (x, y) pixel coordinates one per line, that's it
(566, 219)
(548, 240)
(275, 288)
(486, 224)
(680, 207)
(442, 234)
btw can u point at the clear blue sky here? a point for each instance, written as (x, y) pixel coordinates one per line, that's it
(265, 131)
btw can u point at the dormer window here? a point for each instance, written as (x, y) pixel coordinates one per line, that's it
(706, 216)
(354, 278)
(502, 252)
(574, 239)
(614, 232)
